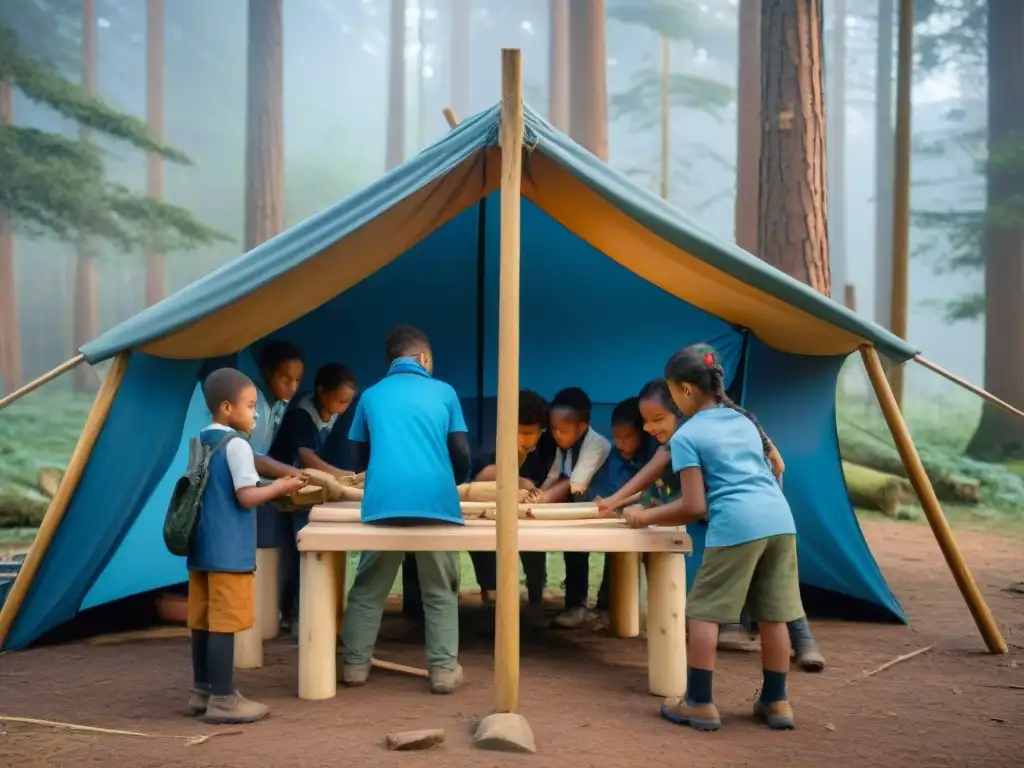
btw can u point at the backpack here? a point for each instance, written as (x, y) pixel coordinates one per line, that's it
(187, 496)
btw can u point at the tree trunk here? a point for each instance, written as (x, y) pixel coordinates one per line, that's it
(836, 115)
(86, 316)
(461, 57)
(1000, 436)
(10, 327)
(264, 140)
(588, 118)
(748, 125)
(885, 141)
(558, 65)
(156, 287)
(395, 151)
(792, 231)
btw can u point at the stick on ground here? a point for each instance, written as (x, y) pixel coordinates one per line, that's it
(892, 663)
(190, 741)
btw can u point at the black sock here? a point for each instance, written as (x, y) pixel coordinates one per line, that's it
(200, 669)
(698, 685)
(220, 663)
(774, 688)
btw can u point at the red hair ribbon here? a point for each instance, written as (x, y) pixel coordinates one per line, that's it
(709, 359)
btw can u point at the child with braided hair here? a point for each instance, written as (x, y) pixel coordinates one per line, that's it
(750, 556)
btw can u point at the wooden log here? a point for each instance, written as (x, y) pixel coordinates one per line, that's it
(624, 600)
(410, 740)
(666, 624)
(249, 644)
(948, 486)
(48, 480)
(348, 512)
(877, 491)
(21, 506)
(318, 628)
(983, 618)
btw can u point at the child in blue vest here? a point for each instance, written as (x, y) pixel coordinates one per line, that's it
(661, 485)
(409, 433)
(222, 556)
(632, 448)
(750, 549)
(299, 442)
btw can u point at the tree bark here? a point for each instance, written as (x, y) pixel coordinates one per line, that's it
(793, 231)
(748, 125)
(588, 118)
(462, 57)
(264, 140)
(1000, 436)
(156, 287)
(558, 65)
(885, 142)
(395, 150)
(10, 327)
(836, 147)
(86, 316)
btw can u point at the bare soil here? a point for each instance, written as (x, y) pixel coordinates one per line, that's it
(584, 694)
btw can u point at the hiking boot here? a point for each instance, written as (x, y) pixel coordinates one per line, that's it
(234, 709)
(778, 715)
(355, 675)
(444, 680)
(571, 618)
(810, 659)
(198, 700)
(702, 717)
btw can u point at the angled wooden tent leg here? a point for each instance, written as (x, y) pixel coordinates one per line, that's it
(930, 503)
(449, 115)
(65, 492)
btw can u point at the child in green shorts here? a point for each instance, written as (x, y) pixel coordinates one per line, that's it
(750, 547)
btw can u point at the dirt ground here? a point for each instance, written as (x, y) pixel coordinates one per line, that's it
(584, 694)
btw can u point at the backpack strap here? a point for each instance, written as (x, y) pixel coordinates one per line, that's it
(228, 437)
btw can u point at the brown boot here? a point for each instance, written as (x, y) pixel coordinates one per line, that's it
(778, 715)
(355, 675)
(703, 717)
(234, 709)
(810, 659)
(197, 702)
(443, 680)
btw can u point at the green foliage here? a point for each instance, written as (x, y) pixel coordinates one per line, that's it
(55, 185)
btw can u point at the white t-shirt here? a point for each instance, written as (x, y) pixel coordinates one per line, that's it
(241, 460)
(593, 452)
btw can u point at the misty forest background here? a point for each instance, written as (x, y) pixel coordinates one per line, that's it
(123, 175)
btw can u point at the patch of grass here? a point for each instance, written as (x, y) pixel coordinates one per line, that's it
(40, 430)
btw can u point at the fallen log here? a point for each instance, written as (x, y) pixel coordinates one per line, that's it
(21, 506)
(48, 479)
(879, 491)
(948, 486)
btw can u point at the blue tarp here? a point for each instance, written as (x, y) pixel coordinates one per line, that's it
(586, 321)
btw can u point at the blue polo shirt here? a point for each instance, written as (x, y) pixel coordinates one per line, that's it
(744, 501)
(406, 418)
(617, 470)
(269, 414)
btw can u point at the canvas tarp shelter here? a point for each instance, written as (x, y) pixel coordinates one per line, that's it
(613, 280)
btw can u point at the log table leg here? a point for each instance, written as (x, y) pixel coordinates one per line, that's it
(249, 644)
(624, 600)
(340, 563)
(318, 625)
(666, 624)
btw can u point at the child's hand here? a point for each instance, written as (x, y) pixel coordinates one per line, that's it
(636, 517)
(525, 484)
(606, 507)
(287, 485)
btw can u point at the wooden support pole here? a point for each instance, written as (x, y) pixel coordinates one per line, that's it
(974, 389)
(506, 636)
(930, 503)
(666, 75)
(65, 493)
(249, 644)
(901, 191)
(624, 613)
(450, 117)
(666, 624)
(36, 383)
(156, 278)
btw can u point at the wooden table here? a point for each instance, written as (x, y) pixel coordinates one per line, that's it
(323, 545)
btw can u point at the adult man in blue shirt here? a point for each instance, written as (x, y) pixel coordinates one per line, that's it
(409, 434)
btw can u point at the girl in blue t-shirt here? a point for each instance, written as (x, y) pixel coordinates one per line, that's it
(750, 547)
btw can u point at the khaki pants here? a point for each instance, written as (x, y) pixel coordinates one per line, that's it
(221, 602)
(439, 586)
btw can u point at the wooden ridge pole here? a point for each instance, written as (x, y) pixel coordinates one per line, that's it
(36, 383)
(898, 306)
(506, 636)
(974, 389)
(65, 493)
(930, 503)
